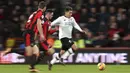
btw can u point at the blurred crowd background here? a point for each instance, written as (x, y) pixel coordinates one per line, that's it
(108, 20)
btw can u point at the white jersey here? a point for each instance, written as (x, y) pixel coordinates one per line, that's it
(65, 26)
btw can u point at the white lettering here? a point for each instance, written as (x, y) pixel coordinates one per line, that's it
(80, 58)
(97, 57)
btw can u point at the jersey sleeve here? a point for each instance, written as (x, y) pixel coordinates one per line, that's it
(76, 26)
(56, 22)
(39, 14)
(51, 31)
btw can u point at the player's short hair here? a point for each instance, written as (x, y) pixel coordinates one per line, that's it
(68, 8)
(42, 4)
(49, 11)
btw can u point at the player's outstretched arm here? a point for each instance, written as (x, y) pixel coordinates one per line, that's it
(56, 22)
(76, 26)
(87, 32)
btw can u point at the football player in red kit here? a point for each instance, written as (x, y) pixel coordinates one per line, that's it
(48, 50)
(32, 26)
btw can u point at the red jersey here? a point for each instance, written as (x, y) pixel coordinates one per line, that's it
(46, 29)
(32, 21)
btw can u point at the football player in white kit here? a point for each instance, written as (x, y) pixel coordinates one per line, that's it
(66, 24)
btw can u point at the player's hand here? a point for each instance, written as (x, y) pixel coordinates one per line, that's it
(42, 38)
(88, 33)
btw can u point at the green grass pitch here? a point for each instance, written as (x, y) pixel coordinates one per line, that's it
(66, 69)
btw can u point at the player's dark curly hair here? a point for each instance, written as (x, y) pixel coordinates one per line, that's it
(68, 8)
(49, 11)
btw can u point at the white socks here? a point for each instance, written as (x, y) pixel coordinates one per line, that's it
(55, 59)
(64, 56)
(67, 53)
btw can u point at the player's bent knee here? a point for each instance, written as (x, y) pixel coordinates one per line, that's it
(28, 51)
(51, 51)
(35, 50)
(37, 54)
(28, 54)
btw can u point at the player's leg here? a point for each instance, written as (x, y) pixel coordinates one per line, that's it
(47, 52)
(65, 47)
(71, 49)
(28, 48)
(39, 59)
(28, 51)
(35, 56)
(64, 42)
(41, 56)
(69, 52)
(29, 43)
(50, 51)
(57, 57)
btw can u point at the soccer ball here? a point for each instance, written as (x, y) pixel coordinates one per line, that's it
(101, 66)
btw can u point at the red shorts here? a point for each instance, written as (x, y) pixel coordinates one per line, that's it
(29, 38)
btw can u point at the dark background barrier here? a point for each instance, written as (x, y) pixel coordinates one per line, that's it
(82, 56)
